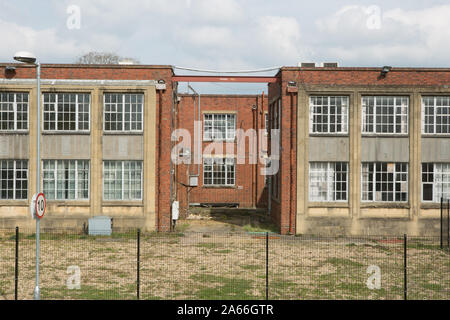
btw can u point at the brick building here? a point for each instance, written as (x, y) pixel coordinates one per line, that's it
(362, 150)
(103, 144)
(225, 177)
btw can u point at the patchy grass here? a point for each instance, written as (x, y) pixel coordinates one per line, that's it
(224, 266)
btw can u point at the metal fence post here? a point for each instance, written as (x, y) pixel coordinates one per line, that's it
(267, 266)
(16, 267)
(405, 274)
(442, 213)
(138, 261)
(448, 224)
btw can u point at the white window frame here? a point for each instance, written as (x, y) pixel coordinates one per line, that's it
(374, 182)
(15, 111)
(405, 123)
(77, 112)
(55, 174)
(122, 162)
(344, 115)
(331, 182)
(15, 179)
(225, 165)
(209, 135)
(123, 111)
(438, 181)
(435, 106)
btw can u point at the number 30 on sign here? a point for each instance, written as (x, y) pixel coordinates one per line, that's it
(37, 207)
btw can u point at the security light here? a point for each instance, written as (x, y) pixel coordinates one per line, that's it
(26, 57)
(385, 70)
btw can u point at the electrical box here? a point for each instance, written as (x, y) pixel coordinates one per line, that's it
(100, 226)
(193, 181)
(175, 210)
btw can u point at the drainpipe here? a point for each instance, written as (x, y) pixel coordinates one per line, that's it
(254, 115)
(292, 161)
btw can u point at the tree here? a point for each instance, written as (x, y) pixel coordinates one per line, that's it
(103, 58)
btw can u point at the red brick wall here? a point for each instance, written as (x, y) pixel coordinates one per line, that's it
(248, 191)
(163, 112)
(283, 212)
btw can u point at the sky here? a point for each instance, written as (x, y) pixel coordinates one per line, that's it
(231, 35)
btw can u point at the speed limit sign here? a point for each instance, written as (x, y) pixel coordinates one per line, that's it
(37, 207)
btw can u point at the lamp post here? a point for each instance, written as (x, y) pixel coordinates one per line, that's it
(29, 58)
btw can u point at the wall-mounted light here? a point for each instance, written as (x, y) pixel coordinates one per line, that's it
(160, 84)
(385, 70)
(292, 84)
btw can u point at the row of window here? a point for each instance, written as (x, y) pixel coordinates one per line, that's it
(380, 182)
(122, 180)
(124, 112)
(71, 111)
(379, 115)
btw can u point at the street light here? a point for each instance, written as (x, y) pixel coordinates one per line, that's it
(29, 58)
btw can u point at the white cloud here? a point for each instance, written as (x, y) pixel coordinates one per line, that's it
(43, 43)
(404, 37)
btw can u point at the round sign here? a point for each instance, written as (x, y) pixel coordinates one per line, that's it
(40, 205)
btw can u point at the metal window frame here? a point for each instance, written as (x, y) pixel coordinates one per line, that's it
(14, 198)
(15, 112)
(122, 165)
(374, 182)
(343, 124)
(123, 112)
(434, 133)
(55, 172)
(212, 138)
(436, 199)
(333, 194)
(225, 172)
(374, 121)
(55, 104)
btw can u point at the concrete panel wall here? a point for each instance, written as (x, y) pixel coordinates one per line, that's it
(395, 149)
(14, 146)
(65, 146)
(122, 147)
(435, 149)
(328, 149)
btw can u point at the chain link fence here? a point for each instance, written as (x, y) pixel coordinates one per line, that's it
(222, 266)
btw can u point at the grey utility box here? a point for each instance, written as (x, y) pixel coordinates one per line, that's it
(100, 226)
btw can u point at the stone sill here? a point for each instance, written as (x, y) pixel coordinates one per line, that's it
(385, 205)
(121, 203)
(123, 133)
(328, 204)
(62, 133)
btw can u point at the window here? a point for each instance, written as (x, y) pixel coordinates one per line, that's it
(385, 115)
(436, 115)
(219, 171)
(66, 179)
(13, 179)
(266, 123)
(384, 181)
(275, 124)
(328, 114)
(13, 111)
(328, 181)
(435, 181)
(122, 180)
(123, 112)
(219, 126)
(66, 111)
